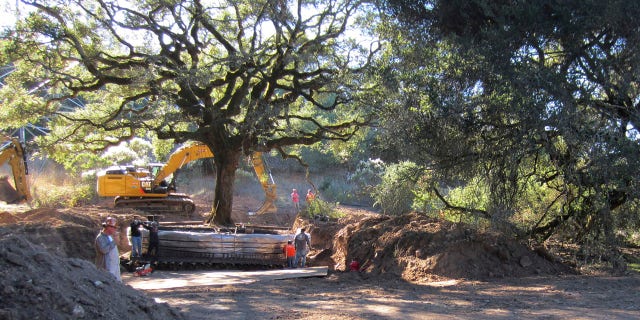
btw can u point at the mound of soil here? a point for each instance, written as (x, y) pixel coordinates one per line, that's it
(7, 218)
(419, 248)
(63, 232)
(36, 283)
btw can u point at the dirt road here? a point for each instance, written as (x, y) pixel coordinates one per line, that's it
(350, 296)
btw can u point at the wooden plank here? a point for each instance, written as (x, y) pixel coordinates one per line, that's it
(320, 271)
(163, 280)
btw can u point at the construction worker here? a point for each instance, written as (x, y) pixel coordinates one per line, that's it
(107, 255)
(152, 249)
(295, 198)
(310, 196)
(136, 237)
(302, 242)
(290, 253)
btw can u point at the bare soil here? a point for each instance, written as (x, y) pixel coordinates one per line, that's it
(418, 268)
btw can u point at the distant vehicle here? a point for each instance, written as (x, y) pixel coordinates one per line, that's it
(147, 189)
(12, 152)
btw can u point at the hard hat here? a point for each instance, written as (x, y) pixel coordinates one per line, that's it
(109, 222)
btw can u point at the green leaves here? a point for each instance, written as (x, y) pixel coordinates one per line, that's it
(533, 91)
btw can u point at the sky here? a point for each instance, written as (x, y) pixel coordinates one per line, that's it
(7, 18)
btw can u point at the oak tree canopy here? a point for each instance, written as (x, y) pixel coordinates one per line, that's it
(239, 76)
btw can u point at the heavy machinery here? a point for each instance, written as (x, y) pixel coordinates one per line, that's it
(266, 181)
(12, 152)
(147, 189)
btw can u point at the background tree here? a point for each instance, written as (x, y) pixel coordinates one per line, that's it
(239, 76)
(525, 93)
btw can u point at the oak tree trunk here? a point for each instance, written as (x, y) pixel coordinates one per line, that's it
(226, 164)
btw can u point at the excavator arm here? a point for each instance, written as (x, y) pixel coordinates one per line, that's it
(266, 181)
(180, 158)
(12, 152)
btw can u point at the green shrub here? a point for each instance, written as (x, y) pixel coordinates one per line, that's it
(64, 196)
(394, 195)
(322, 210)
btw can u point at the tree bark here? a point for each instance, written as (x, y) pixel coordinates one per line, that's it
(226, 164)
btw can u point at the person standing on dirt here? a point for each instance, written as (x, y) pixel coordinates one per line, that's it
(136, 237)
(302, 243)
(296, 200)
(107, 255)
(310, 197)
(290, 253)
(154, 242)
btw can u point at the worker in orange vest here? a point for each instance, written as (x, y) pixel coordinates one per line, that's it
(290, 252)
(310, 196)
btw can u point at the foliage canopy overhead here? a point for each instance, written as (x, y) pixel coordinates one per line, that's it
(233, 74)
(524, 93)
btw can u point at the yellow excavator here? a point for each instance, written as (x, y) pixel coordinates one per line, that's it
(12, 152)
(147, 189)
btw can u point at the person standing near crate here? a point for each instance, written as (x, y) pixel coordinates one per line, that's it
(302, 243)
(290, 253)
(136, 237)
(154, 242)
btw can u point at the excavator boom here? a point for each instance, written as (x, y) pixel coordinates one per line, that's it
(266, 181)
(180, 158)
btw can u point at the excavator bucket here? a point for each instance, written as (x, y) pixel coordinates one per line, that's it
(7, 193)
(269, 204)
(12, 153)
(267, 207)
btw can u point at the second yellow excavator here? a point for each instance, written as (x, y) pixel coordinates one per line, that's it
(147, 189)
(12, 153)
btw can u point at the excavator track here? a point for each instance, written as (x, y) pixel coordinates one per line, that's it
(178, 260)
(180, 203)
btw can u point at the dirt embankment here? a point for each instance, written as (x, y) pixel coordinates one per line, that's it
(37, 284)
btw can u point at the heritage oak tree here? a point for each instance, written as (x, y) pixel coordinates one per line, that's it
(239, 76)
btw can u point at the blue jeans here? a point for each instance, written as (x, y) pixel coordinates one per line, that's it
(301, 257)
(291, 262)
(136, 246)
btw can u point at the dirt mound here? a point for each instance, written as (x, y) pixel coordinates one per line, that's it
(419, 248)
(7, 218)
(35, 283)
(63, 232)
